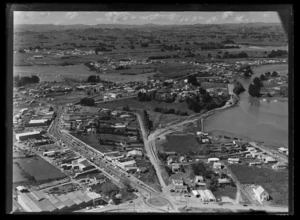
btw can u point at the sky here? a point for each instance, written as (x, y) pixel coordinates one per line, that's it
(157, 17)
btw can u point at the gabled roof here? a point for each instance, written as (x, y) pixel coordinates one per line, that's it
(259, 190)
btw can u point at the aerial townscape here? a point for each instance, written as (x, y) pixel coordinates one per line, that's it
(129, 117)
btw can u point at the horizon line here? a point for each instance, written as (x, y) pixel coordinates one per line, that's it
(157, 24)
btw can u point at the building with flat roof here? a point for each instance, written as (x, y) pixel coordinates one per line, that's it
(27, 135)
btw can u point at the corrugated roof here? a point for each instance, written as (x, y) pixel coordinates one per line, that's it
(38, 195)
(47, 205)
(74, 198)
(58, 203)
(82, 196)
(29, 202)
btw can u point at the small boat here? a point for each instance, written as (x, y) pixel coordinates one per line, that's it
(275, 100)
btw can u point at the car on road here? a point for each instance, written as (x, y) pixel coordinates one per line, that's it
(245, 205)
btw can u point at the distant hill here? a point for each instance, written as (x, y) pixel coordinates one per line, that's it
(52, 27)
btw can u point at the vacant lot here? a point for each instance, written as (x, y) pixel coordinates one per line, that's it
(182, 143)
(274, 182)
(37, 168)
(228, 191)
(148, 177)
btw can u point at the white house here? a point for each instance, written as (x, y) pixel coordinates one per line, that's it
(233, 160)
(210, 160)
(283, 150)
(217, 166)
(279, 166)
(261, 194)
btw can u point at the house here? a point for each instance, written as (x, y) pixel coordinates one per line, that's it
(217, 165)
(177, 182)
(279, 166)
(261, 194)
(269, 160)
(134, 153)
(283, 150)
(175, 167)
(223, 181)
(233, 160)
(210, 160)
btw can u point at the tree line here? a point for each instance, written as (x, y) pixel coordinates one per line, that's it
(25, 80)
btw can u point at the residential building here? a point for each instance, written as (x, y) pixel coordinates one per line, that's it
(280, 166)
(261, 194)
(213, 160)
(217, 165)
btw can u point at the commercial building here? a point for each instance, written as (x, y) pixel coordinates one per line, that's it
(206, 196)
(27, 135)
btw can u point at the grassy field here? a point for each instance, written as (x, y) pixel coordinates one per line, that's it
(35, 167)
(182, 143)
(274, 182)
(149, 177)
(174, 70)
(228, 191)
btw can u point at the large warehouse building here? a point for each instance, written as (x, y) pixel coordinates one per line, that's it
(27, 135)
(37, 201)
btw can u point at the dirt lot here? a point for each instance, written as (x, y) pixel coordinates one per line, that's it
(274, 182)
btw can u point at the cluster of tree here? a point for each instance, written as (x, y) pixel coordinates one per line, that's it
(202, 170)
(145, 96)
(205, 102)
(87, 101)
(168, 170)
(165, 98)
(163, 57)
(227, 55)
(277, 53)
(266, 75)
(169, 47)
(238, 87)
(170, 111)
(162, 156)
(254, 87)
(193, 80)
(228, 41)
(147, 120)
(144, 44)
(107, 142)
(93, 79)
(246, 70)
(99, 49)
(24, 80)
(213, 45)
(122, 67)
